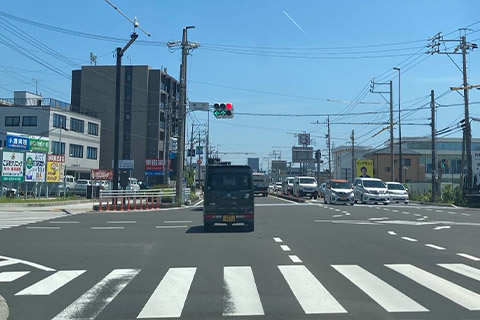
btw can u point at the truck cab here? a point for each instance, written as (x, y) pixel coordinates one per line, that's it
(228, 197)
(260, 184)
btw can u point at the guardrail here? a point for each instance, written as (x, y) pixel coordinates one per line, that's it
(120, 200)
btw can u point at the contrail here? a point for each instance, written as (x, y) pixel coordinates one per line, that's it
(291, 19)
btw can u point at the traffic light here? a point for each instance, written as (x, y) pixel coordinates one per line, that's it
(318, 155)
(223, 110)
(462, 124)
(444, 164)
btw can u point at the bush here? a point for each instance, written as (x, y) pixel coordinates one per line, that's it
(161, 186)
(421, 196)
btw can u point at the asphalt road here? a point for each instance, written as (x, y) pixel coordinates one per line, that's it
(303, 261)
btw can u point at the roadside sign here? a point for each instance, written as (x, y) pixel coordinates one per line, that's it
(199, 149)
(97, 174)
(198, 106)
(55, 164)
(199, 161)
(12, 166)
(191, 153)
(155, 167)
(304, 139)
(39, 144)
(17, 142)
(35, 167)
(125, 164)
(171, 155)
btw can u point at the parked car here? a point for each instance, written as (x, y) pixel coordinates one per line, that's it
(81, 186)
(397, 192)
(338, 191)
(370, 190)
(321, 190)
(305, 187)
(278, 186)
(287, 186)
(8, 191)
(271, 188)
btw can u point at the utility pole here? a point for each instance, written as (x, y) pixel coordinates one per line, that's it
(191, 155)
(186, 47)
(353, 155)
(400, 162)
(463, 47)
(166, 141)
(434, 158)
(329, 149)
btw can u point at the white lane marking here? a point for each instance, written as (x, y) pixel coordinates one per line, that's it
(4, 263)
(107, 228)
(418, 215)
(464, 297)
(465, 214)
(427, 209)
(199, 203)
(462, 269)
(177, 221)
(285, 247)
(393, 210)
(451, 212)
(392, 233)
(91, 303)
(286, 200)
(9, 276)
(310, 293)
(63, 222)
(338, 210)
(405, 212)
(51, 283)
(347, 214)
(170, 227)
(441, 227)
(331, 208)
(385, 209)
(384, 294)
(277, 239)
(438, 210)
(241, 296)
(378, 219)
(28, 263)
(409, 239)
(295, 259)
(122, 221)
(337, 215)
(464, 255)
(169, 297)
(46, 228)
(434, 246)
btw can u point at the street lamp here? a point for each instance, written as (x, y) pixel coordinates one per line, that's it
(399, 130)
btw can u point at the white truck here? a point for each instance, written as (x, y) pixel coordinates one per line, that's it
(260, 184)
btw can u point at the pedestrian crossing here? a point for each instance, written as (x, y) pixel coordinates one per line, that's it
(12, 219)
(242, 290)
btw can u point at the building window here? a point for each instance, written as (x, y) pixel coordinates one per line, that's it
(12, 121)
(407, 162)
(29, 121)
(387, 169)
(162, 116)
(59, 121)
(91, 153)
(76, 125)
(58, 148)
(162, 135)
(76, 151)
(93, 128)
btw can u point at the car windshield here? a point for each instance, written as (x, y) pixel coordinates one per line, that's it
(340, 185)
(395, 186)
(307, 180)
(228, 181)
(290, 181)
(258, 178)
(373, 184)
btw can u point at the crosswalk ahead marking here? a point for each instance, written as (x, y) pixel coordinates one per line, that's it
(241, 297)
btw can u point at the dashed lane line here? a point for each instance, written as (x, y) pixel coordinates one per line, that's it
(409, 239)
(392, 233)
(277, 239)
(434, 246)
(285, 247)
(107, 228)
(44, 228)
(295, 259)
(464, 255)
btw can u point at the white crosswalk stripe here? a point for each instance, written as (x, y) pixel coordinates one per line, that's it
(241, 296)
(240, 293)
(169, 297)
(310, 293)
(51, 283)
(464, 297)
(14, 219)
(92, 302)
(384, 294)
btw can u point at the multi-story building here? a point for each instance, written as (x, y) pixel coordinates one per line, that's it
(342, 160)
(254, 163)
(149, 99)
(73, 134)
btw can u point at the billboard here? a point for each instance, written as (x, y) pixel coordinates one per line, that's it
(17, 142)
(364, 168)
(97, 174)
(154, 167)
(35, 167)
(12, 166)
(24, 142)
(279, 165)
(124, 164)
(304, 139)
(302, 154)
(54, 166)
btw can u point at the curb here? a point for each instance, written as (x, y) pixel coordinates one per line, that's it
(3, 309)
(43, 204)
(434, 204)
(289, 198)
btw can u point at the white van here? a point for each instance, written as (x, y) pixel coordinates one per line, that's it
(370, 190)
(305, 187)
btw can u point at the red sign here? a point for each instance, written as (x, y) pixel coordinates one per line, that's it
(97, 174)
(155, 164)
(199, 161)
(56, 157)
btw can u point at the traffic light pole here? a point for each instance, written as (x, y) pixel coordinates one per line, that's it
(434, 159)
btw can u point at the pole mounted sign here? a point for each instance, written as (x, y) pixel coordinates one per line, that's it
(198, 106)
(97, 174)
(154, 167)
(55, 164)
(35, 167)
(304, 139)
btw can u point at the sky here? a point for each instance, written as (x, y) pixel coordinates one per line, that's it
(306, 59)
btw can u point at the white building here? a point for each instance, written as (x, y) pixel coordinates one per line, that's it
(73, 134)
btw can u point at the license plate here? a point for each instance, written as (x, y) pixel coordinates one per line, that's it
(343, 198)
(229, 218)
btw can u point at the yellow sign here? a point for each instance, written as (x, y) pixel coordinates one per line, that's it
(365, 168)
(53, 171)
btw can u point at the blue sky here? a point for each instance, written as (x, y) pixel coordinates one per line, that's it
(230, 34)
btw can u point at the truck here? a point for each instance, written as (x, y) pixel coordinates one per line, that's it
(260, 184)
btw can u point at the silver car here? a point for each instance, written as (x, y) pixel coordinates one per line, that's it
(397, 192)
(370, 190)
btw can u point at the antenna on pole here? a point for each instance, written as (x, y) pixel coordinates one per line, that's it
(134, 21)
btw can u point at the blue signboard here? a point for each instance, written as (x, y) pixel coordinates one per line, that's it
(16, 142)
(155, 173)
(171, 155)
